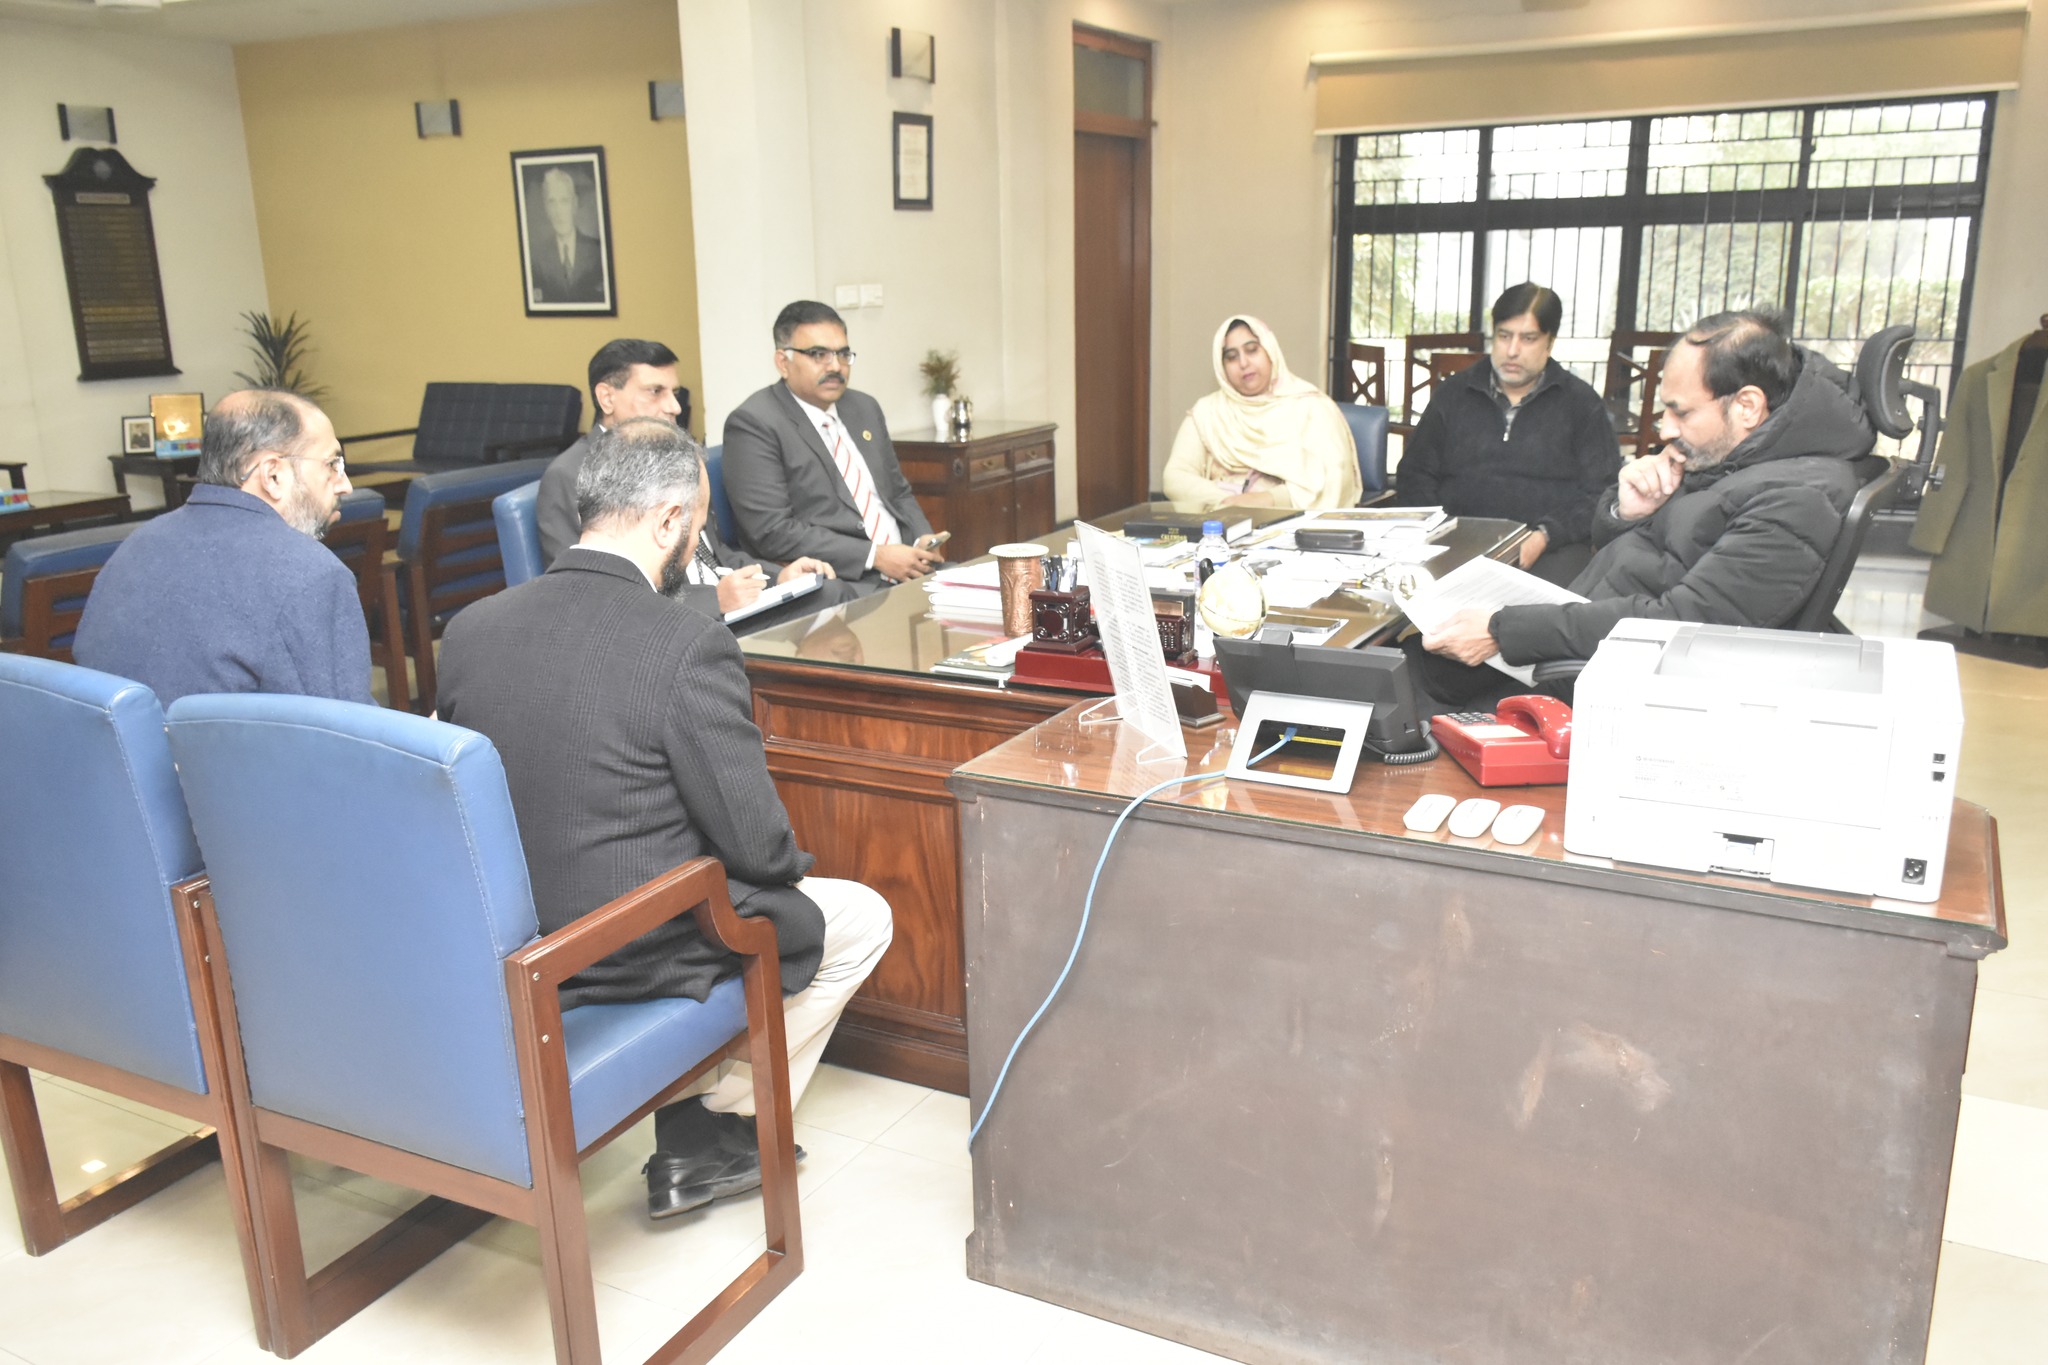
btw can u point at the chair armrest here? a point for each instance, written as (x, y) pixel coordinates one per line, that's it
(551, 445)
(13, 644)
(697, 886)
(1557, 671)
(380, 435)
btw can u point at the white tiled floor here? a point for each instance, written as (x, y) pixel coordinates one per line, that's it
(887, 1203)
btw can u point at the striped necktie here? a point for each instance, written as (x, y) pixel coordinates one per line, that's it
(855, 471)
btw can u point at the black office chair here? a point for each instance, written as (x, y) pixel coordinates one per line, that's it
(1883, 388)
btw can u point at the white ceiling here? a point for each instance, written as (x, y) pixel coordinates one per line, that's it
(257, 21)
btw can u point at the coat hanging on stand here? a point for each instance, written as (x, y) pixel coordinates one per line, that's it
(1987, 523)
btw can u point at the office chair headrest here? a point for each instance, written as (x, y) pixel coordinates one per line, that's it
(1880, 372)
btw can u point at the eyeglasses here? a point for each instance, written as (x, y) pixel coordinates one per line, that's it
(818, 355)
(337, 467)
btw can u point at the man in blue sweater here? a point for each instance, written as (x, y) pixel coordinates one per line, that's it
(233, 592)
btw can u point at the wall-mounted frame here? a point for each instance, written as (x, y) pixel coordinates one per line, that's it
(913, 55)
(911, 137)
(565, 233)
(110, 266)
(437, 118)
(138, 436)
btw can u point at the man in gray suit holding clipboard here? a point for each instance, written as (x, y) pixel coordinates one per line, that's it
(810, 469)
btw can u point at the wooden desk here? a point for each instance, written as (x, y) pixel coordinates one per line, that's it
(1323, 1090)
(861, 737)
(54, 509)
(173, 472)
(995, 486)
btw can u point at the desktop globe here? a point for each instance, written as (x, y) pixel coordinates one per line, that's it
(1232, 603)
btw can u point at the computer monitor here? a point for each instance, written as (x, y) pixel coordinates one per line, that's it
(1373, 674)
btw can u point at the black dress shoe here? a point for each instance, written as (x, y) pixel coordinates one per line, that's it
(678, 1183)
(724, 1159)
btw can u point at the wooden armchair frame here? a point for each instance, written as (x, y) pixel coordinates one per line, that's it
(446, 530)
(305, 1309)
(48, 1222)
(377, 588)
(41, 619)
(1433, 356)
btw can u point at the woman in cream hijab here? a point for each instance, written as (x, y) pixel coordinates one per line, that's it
(1264, 438)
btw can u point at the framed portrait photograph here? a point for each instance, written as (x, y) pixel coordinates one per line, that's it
(913, 160)
(138, 436)
(565, 232)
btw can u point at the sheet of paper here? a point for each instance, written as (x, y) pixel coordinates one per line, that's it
(1130, 637)
(1488, 585)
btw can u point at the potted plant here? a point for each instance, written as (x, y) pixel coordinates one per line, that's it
(280, 351)
(941, 371)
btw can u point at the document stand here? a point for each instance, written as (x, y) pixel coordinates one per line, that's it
(1094, 714)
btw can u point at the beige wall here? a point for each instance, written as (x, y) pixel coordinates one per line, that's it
(793, 194)
(2012, 257)
(178, 120)
(402, 252)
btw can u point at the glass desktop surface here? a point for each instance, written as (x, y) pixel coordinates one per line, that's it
(895, 631)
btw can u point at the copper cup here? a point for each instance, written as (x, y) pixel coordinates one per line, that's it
(1020, 572)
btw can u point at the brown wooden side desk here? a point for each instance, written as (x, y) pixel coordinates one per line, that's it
(1320, 1089)
(175, 473)
(52, 510)
(995, 486)
(861, 737)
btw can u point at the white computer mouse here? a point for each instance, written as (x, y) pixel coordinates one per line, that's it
(1517, 824)
(1472, 816)
(1426, 816)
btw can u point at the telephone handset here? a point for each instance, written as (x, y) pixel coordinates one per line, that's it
(1524, 741)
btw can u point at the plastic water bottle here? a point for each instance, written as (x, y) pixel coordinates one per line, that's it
(1214, 547)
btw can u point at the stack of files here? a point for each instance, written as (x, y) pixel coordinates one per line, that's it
(966, 592)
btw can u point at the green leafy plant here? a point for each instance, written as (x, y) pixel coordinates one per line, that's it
(941, 371)
(280, 349)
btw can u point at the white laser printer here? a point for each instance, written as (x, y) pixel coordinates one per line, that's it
(1825, 761)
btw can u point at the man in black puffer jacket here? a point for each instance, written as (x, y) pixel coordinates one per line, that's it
(1730, 524)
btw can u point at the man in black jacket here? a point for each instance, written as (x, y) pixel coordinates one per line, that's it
(1730, 524)
(1519, 437)
(626, 729)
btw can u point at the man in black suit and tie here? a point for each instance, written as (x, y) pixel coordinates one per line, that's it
(568, 263)
(810, 469)
(631, 378)
(626, 731)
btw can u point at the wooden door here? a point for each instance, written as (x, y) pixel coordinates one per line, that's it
(1112, 270)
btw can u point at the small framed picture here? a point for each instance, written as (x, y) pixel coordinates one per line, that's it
(178, 418)
(913, 161)
(565, 232)
(138, 436)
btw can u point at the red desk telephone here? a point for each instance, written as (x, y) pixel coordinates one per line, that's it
(1527, 741)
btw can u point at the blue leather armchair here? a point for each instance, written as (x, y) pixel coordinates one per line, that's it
(448, 547)
(519, 533)
(390, 1010)
(45, 582)
(1369, 437)
(102, 970)
(721, 505)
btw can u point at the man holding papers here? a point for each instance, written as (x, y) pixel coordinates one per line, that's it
(1729, 524)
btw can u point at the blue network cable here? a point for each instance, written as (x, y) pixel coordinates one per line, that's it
(1087, 908)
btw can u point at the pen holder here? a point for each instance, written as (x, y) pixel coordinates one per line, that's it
(1174, 615)
(1020, 573)
(1062, 621)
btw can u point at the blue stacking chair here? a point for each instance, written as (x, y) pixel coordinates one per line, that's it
(448, 547)
(1369, 438)
(102, 967)
(389, 1009)
(721, 505)
(517, 517)
(44, 584)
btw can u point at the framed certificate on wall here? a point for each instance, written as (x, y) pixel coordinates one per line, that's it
(913, 160)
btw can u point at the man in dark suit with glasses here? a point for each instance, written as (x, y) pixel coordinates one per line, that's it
(810, 469)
